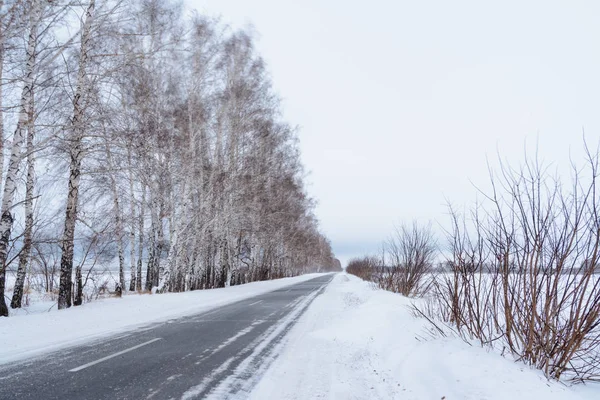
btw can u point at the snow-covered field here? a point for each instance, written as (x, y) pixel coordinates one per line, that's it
(357, 342)
(41, 329)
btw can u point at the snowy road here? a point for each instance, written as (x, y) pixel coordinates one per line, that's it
(219, 354)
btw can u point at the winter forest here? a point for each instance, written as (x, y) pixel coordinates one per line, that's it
(144, 137)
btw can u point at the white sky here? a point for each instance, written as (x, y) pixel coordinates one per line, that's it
(400, 102)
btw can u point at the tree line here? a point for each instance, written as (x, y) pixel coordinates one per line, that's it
(139, 134)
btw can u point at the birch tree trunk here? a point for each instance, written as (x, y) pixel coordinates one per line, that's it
(118, 217)
(138, 280)
(4, 28)
(175, 277)
(132, 283)
(2, 35)
(172, 276)
(153, 245)
(27, 234)
(76, 155)
(160, 237)
(10, 184)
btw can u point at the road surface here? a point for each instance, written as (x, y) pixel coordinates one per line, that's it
(217, 354)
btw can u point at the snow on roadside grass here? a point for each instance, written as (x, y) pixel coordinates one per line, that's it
(357, 342)
(26, 335)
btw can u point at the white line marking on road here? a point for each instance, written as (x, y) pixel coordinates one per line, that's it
(84, 366)
(256, 302)
(234, 338)
(288, 290)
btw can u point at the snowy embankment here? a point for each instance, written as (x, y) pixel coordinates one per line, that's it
(357, 342)
(26, 335)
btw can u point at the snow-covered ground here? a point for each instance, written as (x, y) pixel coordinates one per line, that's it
(358, 342)
(45, 329)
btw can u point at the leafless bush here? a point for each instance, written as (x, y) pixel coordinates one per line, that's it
(523, 271)
(97, 285)
(365, 267)
(408, 258)
(405, 264)
(45, 266)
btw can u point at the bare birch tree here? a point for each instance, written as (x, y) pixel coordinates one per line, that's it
(77, 128)
(10, 184)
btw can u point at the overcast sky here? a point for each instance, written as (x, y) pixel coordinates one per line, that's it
(400, 102)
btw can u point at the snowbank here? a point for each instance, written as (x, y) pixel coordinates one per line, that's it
(25, 335)
(357, 342)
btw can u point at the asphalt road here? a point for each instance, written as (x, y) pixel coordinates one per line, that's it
(218, 354)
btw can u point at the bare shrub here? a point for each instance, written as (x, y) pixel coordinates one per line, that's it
(365, 267)
(523, 271)
(405, 264)
(97, 284)
(408, 258)
(45, 267)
